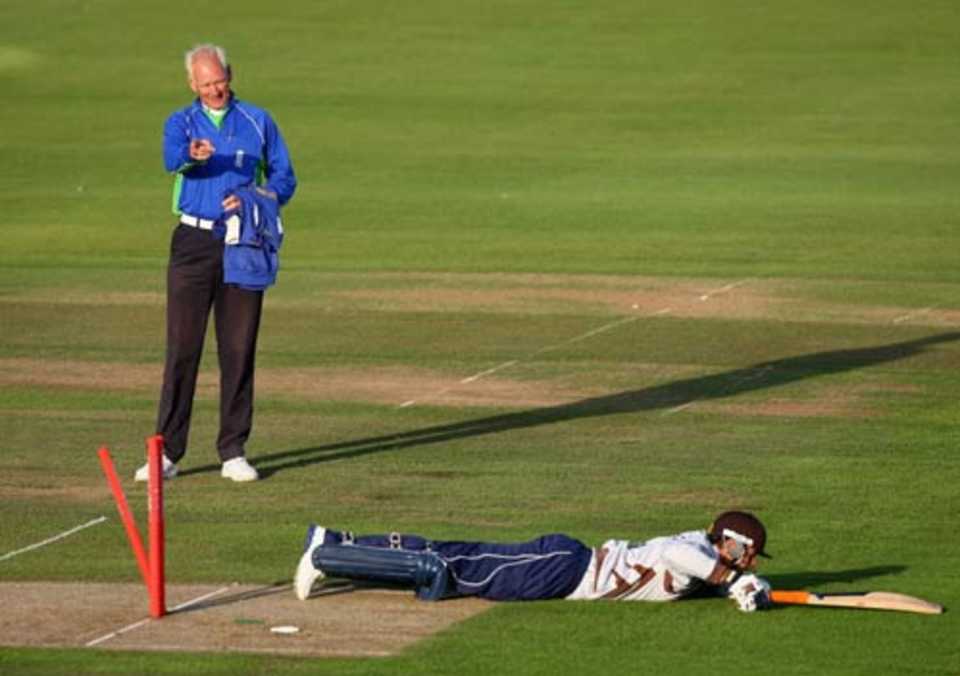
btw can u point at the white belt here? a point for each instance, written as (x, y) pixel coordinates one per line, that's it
(195, 222)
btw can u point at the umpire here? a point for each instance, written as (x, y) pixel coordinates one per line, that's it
(213, 146)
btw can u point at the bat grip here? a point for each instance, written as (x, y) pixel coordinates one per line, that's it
(795, 597)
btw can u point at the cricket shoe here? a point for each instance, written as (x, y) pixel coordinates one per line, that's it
(307, 574)
(238, 469)
(169, 470)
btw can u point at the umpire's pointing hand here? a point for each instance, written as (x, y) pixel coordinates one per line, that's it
(201, 149)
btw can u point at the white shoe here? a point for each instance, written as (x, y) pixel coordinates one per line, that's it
(307, 575)
(169, 470)
(239, 469)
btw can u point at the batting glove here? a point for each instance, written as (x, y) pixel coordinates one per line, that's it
(750, 593)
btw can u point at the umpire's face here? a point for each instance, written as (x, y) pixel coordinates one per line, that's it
(210, 81)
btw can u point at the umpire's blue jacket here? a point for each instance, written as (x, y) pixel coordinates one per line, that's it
(249, 149)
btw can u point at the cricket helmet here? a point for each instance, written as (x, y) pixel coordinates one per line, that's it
(742, 527)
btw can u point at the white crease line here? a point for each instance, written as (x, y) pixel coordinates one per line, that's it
(114, 634)
(470, 379)
(187, 604)
(576, 339)
(140, 623)
(480, 375)
(588, 334)
(723, 289)
(88, 524)
(513, 362)
(915, 313)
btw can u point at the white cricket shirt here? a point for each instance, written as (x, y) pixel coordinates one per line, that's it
(661, 569)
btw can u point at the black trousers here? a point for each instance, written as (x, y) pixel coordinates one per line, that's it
(194, 286)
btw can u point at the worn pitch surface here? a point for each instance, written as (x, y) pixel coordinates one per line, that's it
(335, 621)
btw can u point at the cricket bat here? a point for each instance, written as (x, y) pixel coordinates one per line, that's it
(868, 600)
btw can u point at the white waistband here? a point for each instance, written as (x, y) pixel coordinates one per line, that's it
(194, 222)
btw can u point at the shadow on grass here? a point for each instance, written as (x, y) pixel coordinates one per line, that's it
(764, 375)
(810, 579)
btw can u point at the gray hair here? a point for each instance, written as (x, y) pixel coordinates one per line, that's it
(205, 49)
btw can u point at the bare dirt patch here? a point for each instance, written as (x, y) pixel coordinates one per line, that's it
(397, 385)
(745, 299)
(539, 294)
(620, 295)
(390, 385)
(338, 620)
(67, 492)
(623, 297)
(81, 374)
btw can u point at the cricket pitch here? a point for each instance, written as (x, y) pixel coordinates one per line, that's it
(339, 620)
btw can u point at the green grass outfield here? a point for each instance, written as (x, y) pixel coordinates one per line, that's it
(484, 183)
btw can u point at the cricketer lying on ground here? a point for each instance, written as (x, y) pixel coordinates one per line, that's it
(549, 567)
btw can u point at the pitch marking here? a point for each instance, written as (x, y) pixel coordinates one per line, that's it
(480, 375)
(571, 341)
(114, 634)
(542, 350)
(140, 623)
(677, 409)
(88, 524)
(756, 374)
(723, 289)
(204, 597)
(915, 313)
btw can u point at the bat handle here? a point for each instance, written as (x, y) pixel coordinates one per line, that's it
(795, 597)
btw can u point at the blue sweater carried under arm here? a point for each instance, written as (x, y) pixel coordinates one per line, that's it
(252, 235)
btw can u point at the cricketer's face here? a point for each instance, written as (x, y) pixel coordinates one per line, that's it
(749, 560)
(743, 559)
(210, 82)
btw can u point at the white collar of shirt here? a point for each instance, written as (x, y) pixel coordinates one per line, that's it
(216, 112)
